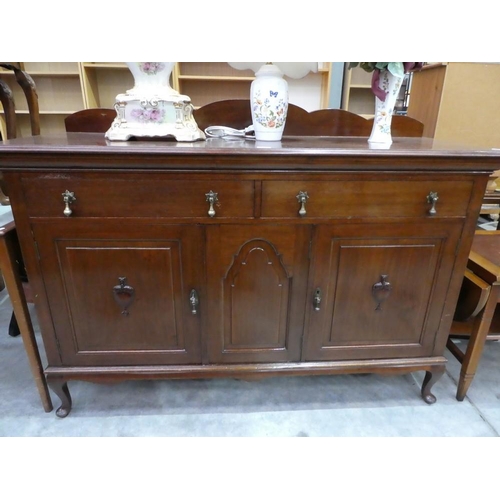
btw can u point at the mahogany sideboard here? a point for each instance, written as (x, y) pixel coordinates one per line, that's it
(157, 259)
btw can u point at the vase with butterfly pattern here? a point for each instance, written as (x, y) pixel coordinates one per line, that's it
(269, 103)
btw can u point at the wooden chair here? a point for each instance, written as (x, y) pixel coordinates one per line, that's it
(7, 98)
(477, 317)
(90, 120)
(11, 266)
(235, 113)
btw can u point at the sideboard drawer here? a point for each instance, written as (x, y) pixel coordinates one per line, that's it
(402, 198)
(119, 196)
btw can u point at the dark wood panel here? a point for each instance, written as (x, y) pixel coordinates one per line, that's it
(357, 321)
(365, 198)
(82, 267)
(258, 278)
(136, 196)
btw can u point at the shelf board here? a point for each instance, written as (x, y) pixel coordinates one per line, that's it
(360, 86)
(105, 65)
(218, 78)
(45, 73)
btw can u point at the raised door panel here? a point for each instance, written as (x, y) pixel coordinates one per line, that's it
(121, 296)
(381, 289)
(257, 279)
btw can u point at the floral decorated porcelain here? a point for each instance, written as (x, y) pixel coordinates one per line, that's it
(152, 108)
(269, 94)
(381, 131)
(269, 103)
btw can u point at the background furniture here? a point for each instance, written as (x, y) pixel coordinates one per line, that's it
(59, 94)
(64, 88)
(458, 102)
(324, 122)
(477, 316)
(26, 83)
(28, 87)
(236, 113)
(90, 120)
(357, 95)
(320, 256)
(11, 269)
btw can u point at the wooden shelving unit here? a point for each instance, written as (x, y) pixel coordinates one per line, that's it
(206, 82)
(357, 95)
(59, 94)
(64, 88)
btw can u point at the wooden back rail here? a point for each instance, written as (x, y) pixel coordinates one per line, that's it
(235, 113)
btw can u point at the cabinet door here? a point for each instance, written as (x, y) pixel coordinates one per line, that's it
(381, 288)
(120, 293)
(257, 283)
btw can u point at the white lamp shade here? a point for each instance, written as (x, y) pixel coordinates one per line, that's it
(292, 69)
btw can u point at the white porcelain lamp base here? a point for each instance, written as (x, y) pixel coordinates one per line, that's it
(154, 117)
(152, 108)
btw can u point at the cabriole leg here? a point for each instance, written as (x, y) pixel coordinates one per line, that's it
(60, 387)
(431, 377)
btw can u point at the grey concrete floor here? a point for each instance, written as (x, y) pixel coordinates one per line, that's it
(320, 406)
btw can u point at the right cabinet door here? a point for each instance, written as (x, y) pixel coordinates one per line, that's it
(378, 290)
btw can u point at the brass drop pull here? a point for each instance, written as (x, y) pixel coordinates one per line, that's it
(317, 299)
(432, 198)
(68, 198)
(302, 197)
(381, 291)
(211, 199)
(124, 295)
(194, 301)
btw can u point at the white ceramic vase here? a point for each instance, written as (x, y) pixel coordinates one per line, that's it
(381, 131)
(269, 103)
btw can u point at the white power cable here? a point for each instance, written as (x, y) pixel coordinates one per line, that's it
(222, 132)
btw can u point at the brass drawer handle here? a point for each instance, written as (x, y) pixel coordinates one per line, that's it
(211, 199)
(317, 299)
(302, 197)
(68, 198)
(432, 198)
(194, 301)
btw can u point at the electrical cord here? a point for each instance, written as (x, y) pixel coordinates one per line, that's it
(228, 133)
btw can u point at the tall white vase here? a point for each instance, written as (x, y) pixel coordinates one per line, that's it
(381, 131)
(269, 103)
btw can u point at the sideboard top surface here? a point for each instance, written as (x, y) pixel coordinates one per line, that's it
(309, 152)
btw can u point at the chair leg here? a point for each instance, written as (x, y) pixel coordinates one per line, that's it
(13, 326)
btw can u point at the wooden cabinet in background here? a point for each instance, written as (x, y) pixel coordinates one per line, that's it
(458, 102)
(219, 258)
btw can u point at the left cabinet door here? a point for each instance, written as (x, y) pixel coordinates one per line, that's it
(121, 294)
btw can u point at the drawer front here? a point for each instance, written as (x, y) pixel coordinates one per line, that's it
(364, 198)
(136, 196)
